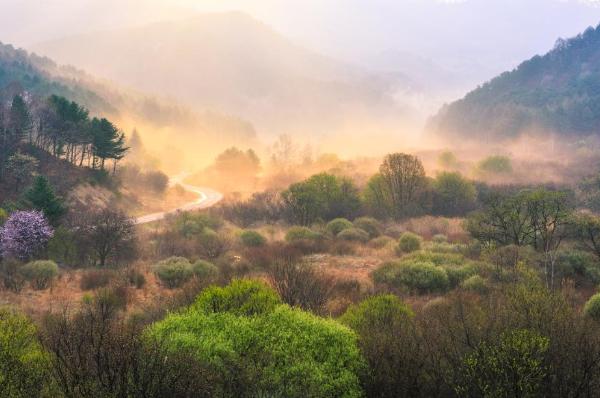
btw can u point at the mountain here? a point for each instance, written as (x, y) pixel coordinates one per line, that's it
(163, 122)
(558, 92)
(234, 64)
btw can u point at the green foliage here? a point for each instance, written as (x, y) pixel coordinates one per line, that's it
(458, 274)
(322, 196)
(353, 235)
(494, 165)
(174, 271)
(454, 195)
(419, 277)
(24, 366)
(283, 352)
(192, 224)
(62, 247)
(396, 191)
(40, 273)
(3, 216)
(334, 227)
(448, 160)
(295, 234)
(579, 265)
(204, 270)
(384, 326)
(211, 244)
(408, 243)
(439, 238)
(242, 297)
(475, 284)
(369, 225)
(252, 238)
(513, 366)
(41, 197)
(382, 241)
(551, 92)
(592, 307)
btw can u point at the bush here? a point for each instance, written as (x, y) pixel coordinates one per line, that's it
(475, 284)
(413, 276)
(242, 297)
(439, 259)
(24, 235)
(40, 273)
(334, 227)
(95, 278)
(495, 165)
(295, 234)
(62, 247)
(24, 368)
(275, 351)
(408, 243)
(174, 271)
(11, 275)
(592, 307)
(386, 339)
(580, 265)
(353, 235)
(381, 242)
(369, 225)
(204, 270)
(252, 238)
(458, 274)
(439, 238)
(211, 244)
(135, 278)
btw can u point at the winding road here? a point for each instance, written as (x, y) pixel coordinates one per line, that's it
(206, 198)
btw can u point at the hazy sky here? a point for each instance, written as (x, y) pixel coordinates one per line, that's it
(486, 36)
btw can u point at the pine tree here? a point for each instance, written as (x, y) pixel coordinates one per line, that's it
(41, 196)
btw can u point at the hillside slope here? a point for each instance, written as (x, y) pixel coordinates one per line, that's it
(558, 92)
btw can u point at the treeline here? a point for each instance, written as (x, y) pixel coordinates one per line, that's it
(61, 128)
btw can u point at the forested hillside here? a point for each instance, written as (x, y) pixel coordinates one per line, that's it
(558, 92)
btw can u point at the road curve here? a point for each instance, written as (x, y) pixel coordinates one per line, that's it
(206, 198)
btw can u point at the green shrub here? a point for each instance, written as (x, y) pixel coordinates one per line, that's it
(295, 234)
(578, 264)
(475, 284)
(439, 238)
(353, 235)
(241, 297)
(592, 307)
(408, 243)
(252, 238)
(458, 274)
(3, 216)
(439, 259)
(62, 247)
(211, 244)
(384, 325)
(495, 165)
(204, 269)
(24, 368)
(369, 225)
(40, 273)
(413, 276)
(174, 271)
(381, 242)
(334, 227)
(284, 352)
(189, 224)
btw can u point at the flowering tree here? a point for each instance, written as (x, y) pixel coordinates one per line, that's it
(24, 234)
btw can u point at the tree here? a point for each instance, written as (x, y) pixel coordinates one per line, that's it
(385, 328)
(41, 197)
(24, 235)
(322, 196)
(277, 351)
(24, 365)
(397, 188)
(512, 367)
(107, 142)
(18, 125)
(21, 168)
(454, 195)
(586, 228)
(109, 236)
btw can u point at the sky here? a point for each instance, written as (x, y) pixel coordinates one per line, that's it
(473, 37)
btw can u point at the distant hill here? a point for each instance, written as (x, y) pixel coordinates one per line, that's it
(558, 92)
(234, 64)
